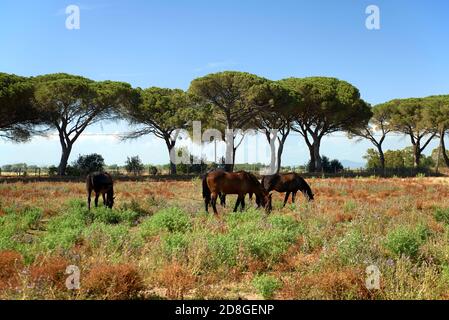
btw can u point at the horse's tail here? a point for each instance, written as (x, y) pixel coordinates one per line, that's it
(304, 187)
(206, 190)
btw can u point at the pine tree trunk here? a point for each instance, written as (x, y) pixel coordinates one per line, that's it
(170, 146)
(64, 160)
(443, 149)
(417, 155)
(316, 152)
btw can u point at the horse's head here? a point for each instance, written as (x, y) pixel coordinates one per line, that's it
(266, 201)
(310, 196)
(110, 202)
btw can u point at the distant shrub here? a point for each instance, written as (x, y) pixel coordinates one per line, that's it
(152, 170)
(134, 165)
(441, 215)
(266, 285)
(52, 171)
(89, 163)
(406, 240)
(169, 220)
(113, 282)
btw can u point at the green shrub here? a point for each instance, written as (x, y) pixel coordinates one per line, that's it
(106, 215)
(223, 249)
(351, 247)
(169, 220)
(65, 230)
(441, 215)
(112, 237)
(406, 240)
(175, 243)
(264, 239)
(266, 285)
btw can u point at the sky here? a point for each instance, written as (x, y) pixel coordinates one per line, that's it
(168, 43)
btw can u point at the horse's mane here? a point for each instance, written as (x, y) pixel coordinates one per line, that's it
(253, 178)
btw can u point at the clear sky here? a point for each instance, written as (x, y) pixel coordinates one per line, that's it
(167, 43)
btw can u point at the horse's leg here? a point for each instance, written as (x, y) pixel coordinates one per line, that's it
(104, 198)
(214, 202)
(223, 200)
(97, 195)
(287, 194)
(293, 196)
(89, 192)
(237, 203)
(206, 204)
(242, 202)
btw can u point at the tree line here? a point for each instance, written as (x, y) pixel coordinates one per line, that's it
(313, 107)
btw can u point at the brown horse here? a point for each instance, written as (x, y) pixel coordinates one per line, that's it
(100, 183)
(289, 183)
(221, 182)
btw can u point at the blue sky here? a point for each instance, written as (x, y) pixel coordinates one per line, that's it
(169, 43)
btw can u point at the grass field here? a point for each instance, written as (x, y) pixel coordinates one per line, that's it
(159, 243)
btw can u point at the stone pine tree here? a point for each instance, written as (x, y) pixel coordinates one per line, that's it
(327, 105)
(412, 117)
(376, 130)
(18, 116)
(69, 104)
(163, 113)
(438, 115)
(276, 117)
(234, 101)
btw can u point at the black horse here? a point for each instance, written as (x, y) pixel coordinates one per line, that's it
(289, 183)
(100, 183)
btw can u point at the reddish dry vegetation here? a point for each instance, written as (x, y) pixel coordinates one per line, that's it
(348, 283)
(49, 272)
(121, 281)
(11, 264)
(177, 279)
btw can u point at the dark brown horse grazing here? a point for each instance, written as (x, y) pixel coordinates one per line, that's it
(221, 182)
(289, 183)
(100, 183)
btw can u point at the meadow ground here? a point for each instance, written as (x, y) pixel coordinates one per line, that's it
(158, 242)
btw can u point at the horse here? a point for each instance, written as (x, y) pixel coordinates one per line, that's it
(240, 183)
(289, 183)
(100, 183)
(222, 196)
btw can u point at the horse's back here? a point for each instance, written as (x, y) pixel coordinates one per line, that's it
(99, 181)
(231, 182)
